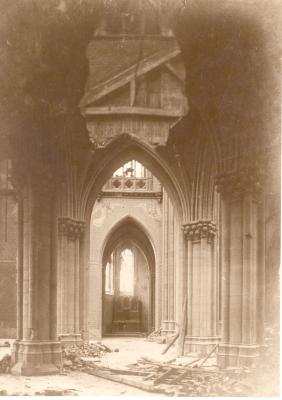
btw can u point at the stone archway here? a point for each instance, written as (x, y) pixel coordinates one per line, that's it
(113, 156)
(130, 112)
(129, 234)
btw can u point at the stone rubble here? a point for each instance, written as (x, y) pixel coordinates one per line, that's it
(83, 353)
(156, 336)
(5, 364)
(160, 377)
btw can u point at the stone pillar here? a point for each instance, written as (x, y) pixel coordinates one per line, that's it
(168, 267)
(20, 270)
(242, 267)
(201, 332)
(36, 350)
(70, 231)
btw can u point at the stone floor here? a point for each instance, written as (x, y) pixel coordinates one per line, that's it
(87, 385)
(130, 349)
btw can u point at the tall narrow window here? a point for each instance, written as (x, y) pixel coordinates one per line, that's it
(126, 276)
(109, 277)
(139, 170)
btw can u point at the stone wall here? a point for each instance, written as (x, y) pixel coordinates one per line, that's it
(108, 213)
(8, 252)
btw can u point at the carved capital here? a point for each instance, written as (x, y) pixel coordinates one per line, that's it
(237, 183)
(197, 230)
(71, 228)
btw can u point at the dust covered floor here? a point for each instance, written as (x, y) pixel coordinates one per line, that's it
(82, 384)
(143, 356)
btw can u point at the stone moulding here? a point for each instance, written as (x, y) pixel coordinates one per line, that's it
(238, 354)
(237, 183)
(197, 230)
(32, 357)
(129, 194)
(70, 227)
(69, 339)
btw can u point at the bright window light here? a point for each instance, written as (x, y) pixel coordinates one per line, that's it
(126, 277)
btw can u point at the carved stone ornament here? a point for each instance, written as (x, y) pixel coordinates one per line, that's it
(200, 229)
(72, 228)
(237, 183)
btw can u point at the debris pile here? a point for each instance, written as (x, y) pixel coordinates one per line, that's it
(191, 380)
(5, 364)
(77, 355)
(159, 337)
(154, 336)
(171, 379)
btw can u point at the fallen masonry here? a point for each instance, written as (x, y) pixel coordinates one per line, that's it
(175, 376)
(5, 364)
(76, 353)
(167, 378)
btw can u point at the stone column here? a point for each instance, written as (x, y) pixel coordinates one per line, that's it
(70, 232)
(36, 351)
(242, 268)
(201, 286)
(168, 268)
(20, 270)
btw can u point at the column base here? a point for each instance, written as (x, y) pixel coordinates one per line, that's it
(168, 327)
(232, 355)
(69, 339)
(94, 333)
(36, 358)
(200, 344)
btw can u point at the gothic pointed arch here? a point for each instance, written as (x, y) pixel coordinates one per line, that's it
(120, 231)
(129, 235)
(121, 150)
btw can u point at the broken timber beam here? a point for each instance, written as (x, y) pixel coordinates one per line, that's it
(177, 367)
(192, 362)
(163, 376)
(175, 337)
(170, 343)
(139, 385)
(208, 356)
(182, 329)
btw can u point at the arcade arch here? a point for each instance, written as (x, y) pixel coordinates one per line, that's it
(128, 307)
(121, 150)
(138, 217)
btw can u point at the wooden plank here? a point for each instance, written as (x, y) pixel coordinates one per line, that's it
(139, 385)
(127, 372)
(121, 110)
(170, 343)
(125, 76)
(163, 376)
(182, 329)
(150, 376)
(181, 376)
(192, 362)
(154, 362)
(208, 356)
(178, 367)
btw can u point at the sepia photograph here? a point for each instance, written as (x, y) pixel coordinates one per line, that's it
(140, 170)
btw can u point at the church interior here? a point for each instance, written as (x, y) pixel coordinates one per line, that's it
(144, 188)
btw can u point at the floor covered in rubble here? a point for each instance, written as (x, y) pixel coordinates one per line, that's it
(136, 356)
